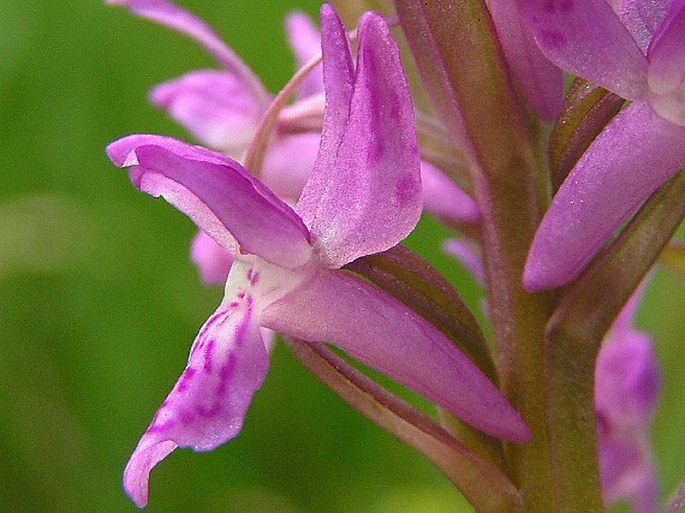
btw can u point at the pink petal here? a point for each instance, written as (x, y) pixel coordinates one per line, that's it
(288, 163)
(627, 379)
(634, 155)
(338, 76)
(586, 38)
(377, 330)
(166, 13)
(442, 198)
(540, 81)
(206, 408)
(642, 18)
(366, 197)
(667, 66)
(214, 107)
(468, 256)
(305, 41)
(212, 260)
(221, 197)
(627, 384)
(628, 473)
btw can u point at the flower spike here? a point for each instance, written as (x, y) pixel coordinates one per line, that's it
(284, 279)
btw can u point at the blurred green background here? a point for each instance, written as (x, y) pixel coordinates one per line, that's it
(99, 303)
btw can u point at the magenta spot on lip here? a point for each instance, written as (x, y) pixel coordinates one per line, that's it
(185, 416)
(184, 383)
(224, 374)
(254, 278)
(217, 317)
(212, 411)
(242, 327)
(241, 294)
(209, 356)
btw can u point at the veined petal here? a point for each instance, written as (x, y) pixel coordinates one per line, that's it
(214, 107)
(442, 198)
(370, 198)
(586, 38)
(631, 158)
(212, 261)
(377, 330)
(305, 41)
(166, 13)
(221, 197)
(540, 81)
(206, 408)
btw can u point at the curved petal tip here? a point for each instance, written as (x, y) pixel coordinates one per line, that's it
(137, 473)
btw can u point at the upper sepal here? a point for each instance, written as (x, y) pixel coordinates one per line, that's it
(364, 193)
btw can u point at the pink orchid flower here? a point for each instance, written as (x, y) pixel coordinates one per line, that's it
(626, 387)
(224, 108)
(637, 51)
(362, 197)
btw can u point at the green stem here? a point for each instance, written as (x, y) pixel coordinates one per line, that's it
(576, 330)
(462, 66)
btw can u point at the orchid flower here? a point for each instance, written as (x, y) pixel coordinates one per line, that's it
(223, 110)
(636, 51)
(362, 197)
(626, 389)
